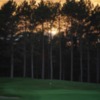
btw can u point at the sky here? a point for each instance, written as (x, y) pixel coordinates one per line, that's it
(18, 1)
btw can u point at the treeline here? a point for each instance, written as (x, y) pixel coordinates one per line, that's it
(28, 47)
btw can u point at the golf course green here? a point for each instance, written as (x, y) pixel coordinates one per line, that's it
(28, 89)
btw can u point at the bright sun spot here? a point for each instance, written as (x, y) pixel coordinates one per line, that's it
(53, 31)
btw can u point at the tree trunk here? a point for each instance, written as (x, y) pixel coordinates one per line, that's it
(32, 63)
(51, 61)
(51, 58)
(71, 74)
(88, 64)
(98, 64)
(12, 61)
(81, 62)
(72, 59)
(60, 53)
(60, 76)
(43, 57)
(24, 74)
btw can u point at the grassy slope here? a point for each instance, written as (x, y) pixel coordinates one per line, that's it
(28, 89)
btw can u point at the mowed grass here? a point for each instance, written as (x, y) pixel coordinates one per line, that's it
(28, 89)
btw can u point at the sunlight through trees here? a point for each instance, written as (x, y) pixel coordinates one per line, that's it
(50, 41)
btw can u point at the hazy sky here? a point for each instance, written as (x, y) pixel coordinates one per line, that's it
(2, 1)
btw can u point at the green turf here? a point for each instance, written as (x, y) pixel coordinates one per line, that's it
(28, 89)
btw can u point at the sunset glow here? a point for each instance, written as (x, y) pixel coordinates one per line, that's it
(19, 1)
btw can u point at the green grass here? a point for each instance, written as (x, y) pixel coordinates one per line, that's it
(28, 89)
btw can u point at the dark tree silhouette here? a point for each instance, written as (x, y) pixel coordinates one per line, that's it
(42, 15)
(24, 13)
(78, 12)
(27, 44)
(94, 29)
(8, 28)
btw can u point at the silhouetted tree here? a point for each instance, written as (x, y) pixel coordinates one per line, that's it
(33, 23)
(94, 29)
(42, 15)
(24, 13)
(54, 12)
(8, 28)
(78, 12)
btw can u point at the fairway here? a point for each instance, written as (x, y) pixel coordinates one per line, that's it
(28, 89)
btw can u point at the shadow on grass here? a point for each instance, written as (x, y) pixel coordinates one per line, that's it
(6, 95)
(13, 97)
